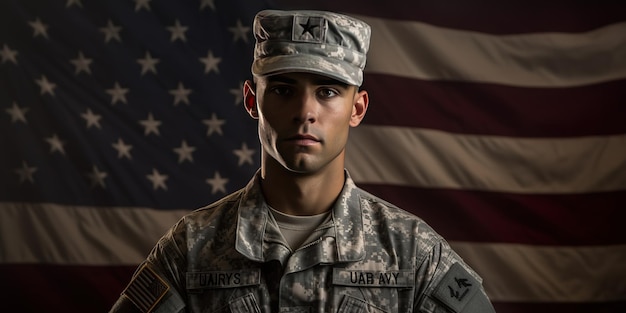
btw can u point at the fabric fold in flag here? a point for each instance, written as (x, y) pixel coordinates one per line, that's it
(499, 124)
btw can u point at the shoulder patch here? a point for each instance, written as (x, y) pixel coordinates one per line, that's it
(146, 289)
(456, 288)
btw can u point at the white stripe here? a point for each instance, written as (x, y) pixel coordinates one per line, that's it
(70, 235)
(417, 50)
(524, 273)
(61, 234)
(430, 158)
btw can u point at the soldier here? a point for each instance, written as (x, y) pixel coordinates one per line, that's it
(301, 236)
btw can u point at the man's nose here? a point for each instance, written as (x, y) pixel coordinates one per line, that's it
(307, 109)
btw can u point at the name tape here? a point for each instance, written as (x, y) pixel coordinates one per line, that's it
(223, 279)
(398, 279)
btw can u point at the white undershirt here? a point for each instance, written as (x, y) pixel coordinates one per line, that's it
(297, 229)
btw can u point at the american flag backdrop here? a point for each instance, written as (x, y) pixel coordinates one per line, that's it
(501, 123)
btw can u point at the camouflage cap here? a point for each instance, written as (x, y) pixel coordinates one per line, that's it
(319, 42)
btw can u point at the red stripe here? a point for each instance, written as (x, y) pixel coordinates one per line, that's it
(548, 307)
(61, 288)
(489, 109)
(490, 16)
(461, 215)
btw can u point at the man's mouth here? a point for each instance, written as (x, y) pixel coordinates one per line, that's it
(303, 140)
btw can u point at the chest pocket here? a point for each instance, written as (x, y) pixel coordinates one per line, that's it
(373, 291)
(245, 304)
(353, 305)
(224, 291)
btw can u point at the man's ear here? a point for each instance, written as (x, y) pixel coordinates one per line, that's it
(249, 99)
(359, 107)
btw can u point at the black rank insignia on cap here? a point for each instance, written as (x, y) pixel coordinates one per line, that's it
(456, 288)
(308, 29)
(146, 289)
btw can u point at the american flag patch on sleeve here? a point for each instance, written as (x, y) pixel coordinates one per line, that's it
(146, 289)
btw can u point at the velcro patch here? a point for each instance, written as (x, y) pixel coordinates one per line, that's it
(456, 288)
(308, 29)
(146, 289)
(398, 279)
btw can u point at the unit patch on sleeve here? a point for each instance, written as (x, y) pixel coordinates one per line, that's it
(456, 288)
(146, 289)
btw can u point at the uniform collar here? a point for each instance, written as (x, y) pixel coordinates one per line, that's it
(254, 233)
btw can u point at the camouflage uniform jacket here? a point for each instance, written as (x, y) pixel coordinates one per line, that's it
(372, 257)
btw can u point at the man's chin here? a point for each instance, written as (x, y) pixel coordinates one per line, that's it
(300, 167)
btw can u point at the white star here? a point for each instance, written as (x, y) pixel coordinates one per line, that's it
(207, 3)
(217, 183)
(26, 172)
(56, 144)
(148, 64)
(39, 28)
(111, 32)
(184, 152)
(178, 31)
(117, 93)
(214, 125)
(211, 63)
(150, 125)
(92, 119)
(17, 113)
(123, 150)
(240, 31)
(69, 3)
(158, 180)
(244, 154)
(97, 177)
(81, 64)
(8, 55)
(45, 85)
(180, 94)
(237, 93)
(142, 4)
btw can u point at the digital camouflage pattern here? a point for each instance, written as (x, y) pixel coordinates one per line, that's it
(318, 42)
(371, 257)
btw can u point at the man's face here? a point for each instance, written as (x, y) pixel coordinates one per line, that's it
(304, 119)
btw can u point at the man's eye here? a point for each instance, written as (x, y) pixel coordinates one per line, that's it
(328, 93)
(281, 90)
